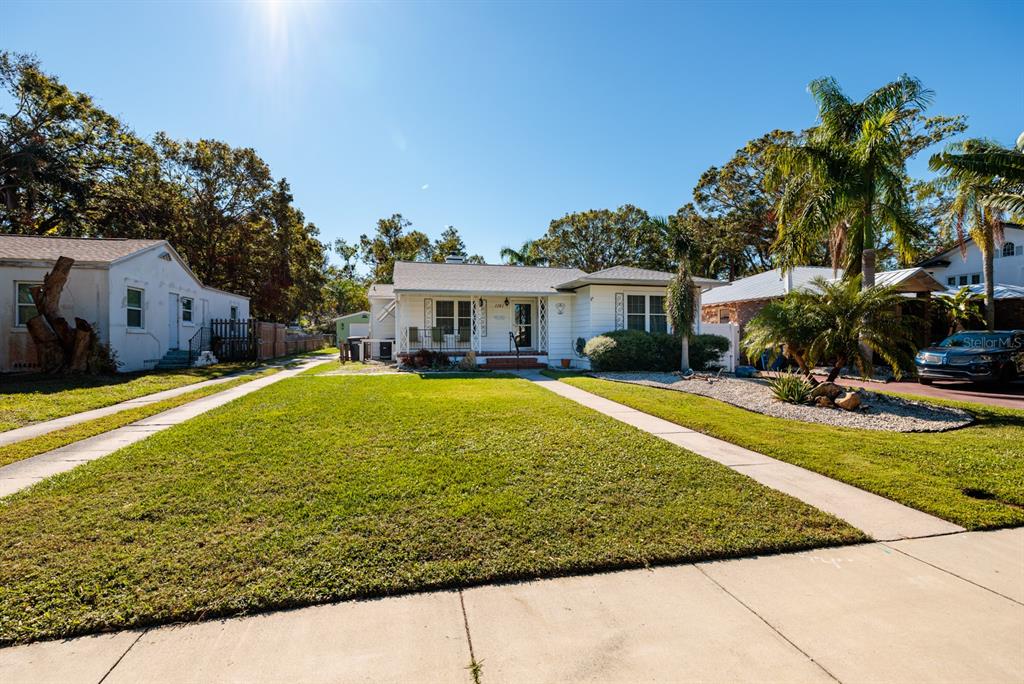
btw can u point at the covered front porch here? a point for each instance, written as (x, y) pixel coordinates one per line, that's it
(488, 325)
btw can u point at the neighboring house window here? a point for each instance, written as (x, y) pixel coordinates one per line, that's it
(646, 313)
(975, 278)
(134, 302)
(659, 319)
(26, 307)
(951, 281)
(723, 317)
(963, 280)
(234, 313)
(1008, 249)
(186, 309)
(636, 312)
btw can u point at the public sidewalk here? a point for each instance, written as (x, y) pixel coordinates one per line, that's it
(878, 517)
(943, 609)
(21, 474)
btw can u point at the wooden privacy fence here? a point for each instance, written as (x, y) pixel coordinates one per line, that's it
(237, 340)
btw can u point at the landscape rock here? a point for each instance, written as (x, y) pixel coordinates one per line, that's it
(823, 402)
(827, 389)
(877, 411)
(849, 401)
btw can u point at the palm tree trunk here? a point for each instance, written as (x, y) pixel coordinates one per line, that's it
(867, 260)
(988, 267)
(684, 356)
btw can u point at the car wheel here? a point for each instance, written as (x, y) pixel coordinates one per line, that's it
(925, 381)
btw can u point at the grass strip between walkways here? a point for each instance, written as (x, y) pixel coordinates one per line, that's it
(973, 476)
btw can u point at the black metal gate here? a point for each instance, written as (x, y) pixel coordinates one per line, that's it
(234, 340)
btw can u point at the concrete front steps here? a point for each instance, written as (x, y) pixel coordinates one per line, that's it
(173, 359)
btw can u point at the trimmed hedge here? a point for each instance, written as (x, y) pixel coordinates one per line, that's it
(636, 350)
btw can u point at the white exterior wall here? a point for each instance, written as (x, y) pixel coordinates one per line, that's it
(84, 296)
(561, 339)
(140, 349)
(1008, 270)
(385, 329)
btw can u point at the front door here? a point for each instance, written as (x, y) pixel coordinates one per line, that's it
(522, 324)
(172, 320)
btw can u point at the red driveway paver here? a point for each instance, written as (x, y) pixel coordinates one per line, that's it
(1007, 395)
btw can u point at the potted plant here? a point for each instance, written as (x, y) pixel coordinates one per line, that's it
(566, 362)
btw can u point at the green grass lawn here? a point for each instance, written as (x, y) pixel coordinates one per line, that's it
(928, 471)
(31, 399)
(336, 365)
(90, 428)
(324, 488)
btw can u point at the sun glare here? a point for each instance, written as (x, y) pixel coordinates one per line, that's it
(280, 29)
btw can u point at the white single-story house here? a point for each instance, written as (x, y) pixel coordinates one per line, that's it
(139, 294)
(954, 270)
(497, 311)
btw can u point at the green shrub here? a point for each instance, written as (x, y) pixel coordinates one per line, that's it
(636, 350)
(622, 350)
(791, 388)
(705, 351)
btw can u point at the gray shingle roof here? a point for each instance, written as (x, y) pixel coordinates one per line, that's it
(414, 276)
(765, 285)
(89, 250)
(617, 275)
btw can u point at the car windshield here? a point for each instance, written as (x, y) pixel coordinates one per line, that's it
(978, 340)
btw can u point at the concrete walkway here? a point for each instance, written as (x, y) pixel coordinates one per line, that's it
(16, 476)
(944, 609)
(37, 429)
(876, 516)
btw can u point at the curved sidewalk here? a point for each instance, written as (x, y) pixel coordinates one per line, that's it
(21, 474)
(878, 517)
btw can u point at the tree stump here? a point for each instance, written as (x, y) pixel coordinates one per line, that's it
(60, 347)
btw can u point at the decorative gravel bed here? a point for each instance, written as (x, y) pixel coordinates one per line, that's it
(878, 412)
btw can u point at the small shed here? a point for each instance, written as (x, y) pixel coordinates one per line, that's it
(352, 325)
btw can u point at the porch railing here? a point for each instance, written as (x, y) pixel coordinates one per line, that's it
(201, 342)
(441, 339)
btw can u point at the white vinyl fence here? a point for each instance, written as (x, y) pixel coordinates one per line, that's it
(731, 332)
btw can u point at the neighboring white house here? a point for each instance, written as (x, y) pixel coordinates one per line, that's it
(954, 271)
(140, 295)
(489, 309)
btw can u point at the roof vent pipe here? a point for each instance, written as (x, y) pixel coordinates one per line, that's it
(455, 259)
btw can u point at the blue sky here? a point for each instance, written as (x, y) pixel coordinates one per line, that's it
(497, 118)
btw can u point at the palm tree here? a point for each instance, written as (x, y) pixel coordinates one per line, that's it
(850, 323)
(983, 160)
(961, 309)
(528, 254)
(681, 296)
(784, 326)
(845, 183)
(988, 179)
